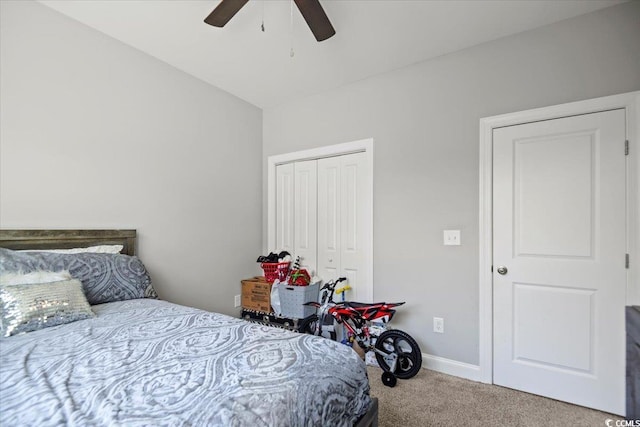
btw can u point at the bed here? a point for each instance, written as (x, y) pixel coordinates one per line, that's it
(143, 361)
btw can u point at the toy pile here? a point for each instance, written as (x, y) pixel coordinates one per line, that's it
(277, 267)
(290, 286)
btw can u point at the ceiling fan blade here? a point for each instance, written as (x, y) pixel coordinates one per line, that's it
(317, 20)
(224, 12)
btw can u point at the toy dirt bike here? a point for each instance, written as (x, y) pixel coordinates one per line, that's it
(397, 352)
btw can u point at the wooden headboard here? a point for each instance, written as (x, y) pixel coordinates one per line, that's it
(66, 239)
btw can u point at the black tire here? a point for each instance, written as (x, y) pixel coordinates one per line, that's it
(405, 347)
(308, 326)
(389, 379)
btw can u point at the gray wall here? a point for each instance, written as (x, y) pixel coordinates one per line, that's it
(424, 121)
(95, 134)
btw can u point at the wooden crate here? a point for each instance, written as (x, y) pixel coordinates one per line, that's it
(256, 295)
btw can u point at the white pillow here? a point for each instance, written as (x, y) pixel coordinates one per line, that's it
(102, 249)
(34, 277)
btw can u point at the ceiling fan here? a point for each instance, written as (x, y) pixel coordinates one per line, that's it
(311, 10)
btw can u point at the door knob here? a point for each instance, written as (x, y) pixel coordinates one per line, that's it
(502, 270)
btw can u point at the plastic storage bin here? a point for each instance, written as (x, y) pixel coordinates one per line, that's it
(292, 299)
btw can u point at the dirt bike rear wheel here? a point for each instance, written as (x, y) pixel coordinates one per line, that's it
(405, 347)
(308, 326)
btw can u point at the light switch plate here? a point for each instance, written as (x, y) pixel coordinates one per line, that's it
(451, 237)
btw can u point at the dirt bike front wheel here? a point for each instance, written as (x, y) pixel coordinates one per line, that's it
(406, 349)
(308, 326)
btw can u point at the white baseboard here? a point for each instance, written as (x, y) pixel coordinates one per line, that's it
(451, 367)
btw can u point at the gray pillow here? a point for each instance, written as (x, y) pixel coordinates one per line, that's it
(34, 306)
(104, 277)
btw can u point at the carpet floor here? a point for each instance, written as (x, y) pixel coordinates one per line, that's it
(434, 399)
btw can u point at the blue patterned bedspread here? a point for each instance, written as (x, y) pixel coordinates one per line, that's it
(148, 362)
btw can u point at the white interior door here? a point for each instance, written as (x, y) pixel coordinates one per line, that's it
(285, 208)
(559, 229)
(305, 214)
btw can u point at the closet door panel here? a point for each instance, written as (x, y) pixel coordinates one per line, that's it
(329, 228)
(354, 235)
(284, 208)
(305, 214)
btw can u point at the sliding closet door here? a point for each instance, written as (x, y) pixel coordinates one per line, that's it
(305, 214)
(284, 208)
(328, 199)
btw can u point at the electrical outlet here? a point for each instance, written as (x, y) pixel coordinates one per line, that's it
(451, 237)
(236, 301)
(438, 325)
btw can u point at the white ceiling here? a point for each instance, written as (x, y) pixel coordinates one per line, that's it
(373, 37)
